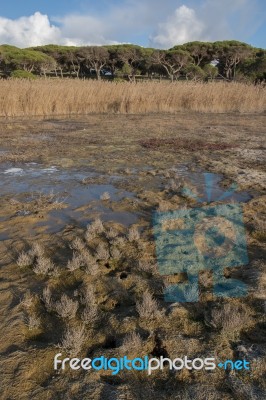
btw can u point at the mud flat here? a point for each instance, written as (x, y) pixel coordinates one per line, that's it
(77, 200)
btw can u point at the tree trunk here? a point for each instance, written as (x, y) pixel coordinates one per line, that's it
(98, 74)
(133, 77)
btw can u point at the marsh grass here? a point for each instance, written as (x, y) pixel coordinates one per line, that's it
(73, 339)
(122, 311)
(33, 322)
(132, 343)
(24, 260)
(71, 97)
(43, 266)
(148, 307)
(66, 307)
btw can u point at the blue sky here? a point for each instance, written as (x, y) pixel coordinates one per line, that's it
(160, 24)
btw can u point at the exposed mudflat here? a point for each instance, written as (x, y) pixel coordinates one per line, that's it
(57, 176)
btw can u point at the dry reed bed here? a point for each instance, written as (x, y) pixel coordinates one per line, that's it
(65, 97)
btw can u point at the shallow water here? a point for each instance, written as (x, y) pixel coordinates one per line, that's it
(23, 181)
(83, 200)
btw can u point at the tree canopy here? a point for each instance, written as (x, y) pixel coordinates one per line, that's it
(13, 58)
(229, 60)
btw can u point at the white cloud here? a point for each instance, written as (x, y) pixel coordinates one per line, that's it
(37, 30)
(85, 30)
(181, 27)
(210, 20)
(28, 31)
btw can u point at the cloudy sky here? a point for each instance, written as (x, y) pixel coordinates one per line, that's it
(156, 23)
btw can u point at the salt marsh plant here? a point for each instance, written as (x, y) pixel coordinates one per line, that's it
(78, 244)
(92, 267)
(37, 250)
(33, 322)
(105, 196)
(111, 233)
(133, 234)
(132, 342)
(230, 319)
(102, 252)
(94, 229)
(146, 266)
(87, 295)
(73, 339)
(28, 300)
(76, 262)
(24, 259)
(115, 252)
(66, 307)
(148, 307)
(43, 266)
(90, 314)
(120, 242)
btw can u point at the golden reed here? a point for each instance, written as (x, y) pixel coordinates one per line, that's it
(51, 97)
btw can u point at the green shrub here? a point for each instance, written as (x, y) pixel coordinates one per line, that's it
(21, 74)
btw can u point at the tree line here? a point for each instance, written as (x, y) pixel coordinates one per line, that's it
(230, 60)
